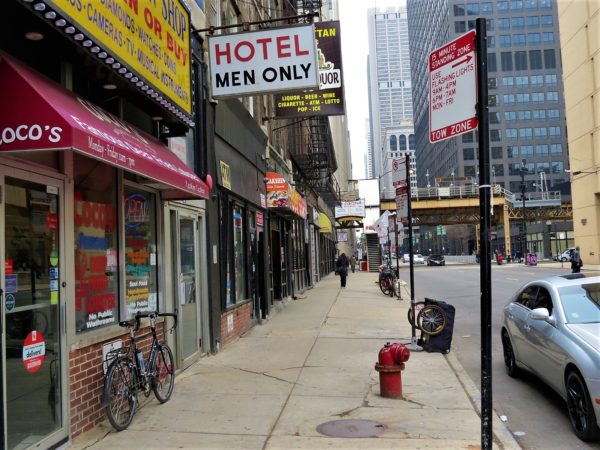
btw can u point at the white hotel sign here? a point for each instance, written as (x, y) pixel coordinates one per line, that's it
(256, 62)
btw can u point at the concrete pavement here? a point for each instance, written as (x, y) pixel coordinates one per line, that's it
(311, 363)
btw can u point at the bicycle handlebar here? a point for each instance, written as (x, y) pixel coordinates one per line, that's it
(135, 322)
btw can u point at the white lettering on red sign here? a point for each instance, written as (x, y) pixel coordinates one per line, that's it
(33, 132)
(34, 351)
(452, 89)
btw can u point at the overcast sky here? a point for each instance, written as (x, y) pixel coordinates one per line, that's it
(353, 17)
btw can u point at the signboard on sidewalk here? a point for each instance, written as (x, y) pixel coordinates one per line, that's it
(453, 89)
(399, 171)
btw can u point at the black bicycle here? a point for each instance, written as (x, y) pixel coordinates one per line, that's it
(129, 373)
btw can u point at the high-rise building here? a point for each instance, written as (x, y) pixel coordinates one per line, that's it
(527, 110)
(390, 89)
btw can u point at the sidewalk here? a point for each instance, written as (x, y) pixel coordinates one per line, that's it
(313, 362)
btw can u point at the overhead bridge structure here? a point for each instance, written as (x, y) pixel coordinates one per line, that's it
(457, 205)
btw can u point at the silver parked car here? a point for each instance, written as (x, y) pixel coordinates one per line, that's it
(551, 327)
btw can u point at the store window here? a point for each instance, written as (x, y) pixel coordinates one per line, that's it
(140, 246)
(96, 255)
(236, 267)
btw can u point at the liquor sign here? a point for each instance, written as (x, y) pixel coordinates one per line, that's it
(257, 62)
(149, 38)
(328, 100)
(453, 89)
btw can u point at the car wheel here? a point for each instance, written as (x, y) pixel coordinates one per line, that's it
(563, 259)
(581, 410)
(510, 362)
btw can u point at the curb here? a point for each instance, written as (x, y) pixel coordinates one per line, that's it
(501, 433)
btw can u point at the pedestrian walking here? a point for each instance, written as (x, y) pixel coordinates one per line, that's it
(341, 268)
(352, 263)
(576, 263)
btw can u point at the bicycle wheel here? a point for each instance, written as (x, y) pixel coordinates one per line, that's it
(431, 320)
(119, 394)
(385, 284)
(164, 378)
(418, 307)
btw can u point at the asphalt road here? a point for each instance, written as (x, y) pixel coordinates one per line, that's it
(535, 414)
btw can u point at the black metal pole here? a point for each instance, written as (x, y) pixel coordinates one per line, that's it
(410, 253)
(397, 245)
(485, 276)
(523, 189)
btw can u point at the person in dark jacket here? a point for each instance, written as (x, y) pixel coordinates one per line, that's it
(576, 260)
(341, 267)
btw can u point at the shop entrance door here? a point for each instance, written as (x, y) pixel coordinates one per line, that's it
(189, 287)
(31, 306)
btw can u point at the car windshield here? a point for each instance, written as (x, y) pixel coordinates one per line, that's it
(581, 303)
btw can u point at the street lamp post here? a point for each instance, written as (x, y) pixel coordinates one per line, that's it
(524, 238)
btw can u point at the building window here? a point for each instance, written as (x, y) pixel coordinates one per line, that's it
(552, 97)
(496, 152)
(512, 151)
(526, 150)
(495, 135)
(492, 66)
(492, 100)
(516, 5)
(522, 98)
(469, 171)
(545, 4)
(486, 8)
(502, 6)
(539, 114)
(517, 22)
(525, 133)
(547, 21)
(412, 145)
(141, 286)
(494, 117)
(510, 116)
(557, 167)
(531, 5)
(506, 61)
(468, 154)
(505, 40)
(489, 23)
(556, 149)
(402, 142)
(491, 41)
(510, 134)
(472, 9)
(542, 167)
(548, 37)
(236, 270)
(540, 133)
(550, 79)
(549, 59)
(503, 24)
(535, 59)
(509, 99)
(537, 97)
(524, 115)
(460, 27)
(508, 82)
(521, 60)
(492, 83)
(467, 138)
(521, 81)
(541, 150)
(537, 80)
(459, 10)
(471, 24)
(498, 170)
(553, 114)
(533, 21)
(534, 38)
(554, 132)
(96, 246)
(393, 143)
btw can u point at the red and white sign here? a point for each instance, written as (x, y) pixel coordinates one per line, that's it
(277, 59)
(402, 204)
(399, 171)
(34, 351)
(453, 89)
(259, 219)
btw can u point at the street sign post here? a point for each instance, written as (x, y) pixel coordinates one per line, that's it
(453, 88)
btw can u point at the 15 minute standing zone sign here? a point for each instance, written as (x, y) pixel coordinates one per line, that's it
(453, 89)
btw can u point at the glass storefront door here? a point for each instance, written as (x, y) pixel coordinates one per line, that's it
(186, 249)
(31, 305)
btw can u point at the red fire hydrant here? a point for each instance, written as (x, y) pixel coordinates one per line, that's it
(391, 362)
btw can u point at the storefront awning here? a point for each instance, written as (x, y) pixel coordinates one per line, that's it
(324, 223)
(38, 114)
(284, 198)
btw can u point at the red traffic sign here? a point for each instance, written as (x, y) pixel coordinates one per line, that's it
(453, 89)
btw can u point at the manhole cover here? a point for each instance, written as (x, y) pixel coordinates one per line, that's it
(351, 428)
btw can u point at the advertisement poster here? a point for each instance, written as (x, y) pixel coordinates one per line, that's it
(328, 100)
(95, 265)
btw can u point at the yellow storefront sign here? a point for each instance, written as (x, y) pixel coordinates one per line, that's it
(225, 175)
(151, 38)
(324, 223)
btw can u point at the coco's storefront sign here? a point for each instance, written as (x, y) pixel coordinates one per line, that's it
(279, 59)
(283, 197)
(147, 37)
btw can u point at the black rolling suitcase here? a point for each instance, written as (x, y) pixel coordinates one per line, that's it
(440, 343)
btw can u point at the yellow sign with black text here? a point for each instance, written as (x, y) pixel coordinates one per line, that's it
(225, 175)
(149, 37)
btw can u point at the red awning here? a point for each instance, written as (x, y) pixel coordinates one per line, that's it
(38, 114)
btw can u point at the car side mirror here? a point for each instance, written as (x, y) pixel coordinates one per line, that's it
(541, 314)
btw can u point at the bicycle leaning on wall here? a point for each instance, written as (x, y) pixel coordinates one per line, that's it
(129, 373)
